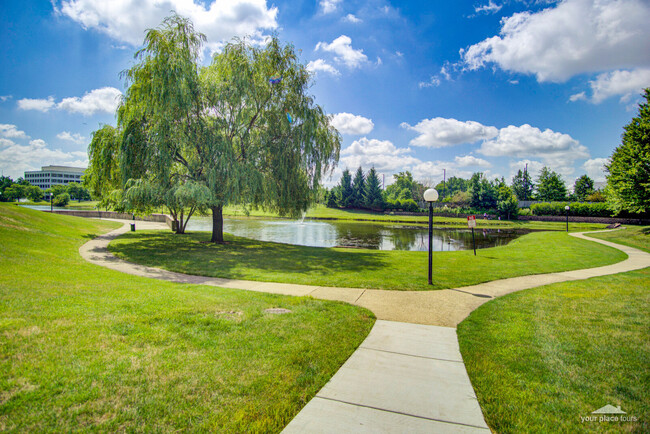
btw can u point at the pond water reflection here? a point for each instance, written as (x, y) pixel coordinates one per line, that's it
(358, 234)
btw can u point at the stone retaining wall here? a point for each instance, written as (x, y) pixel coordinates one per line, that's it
(161, 218)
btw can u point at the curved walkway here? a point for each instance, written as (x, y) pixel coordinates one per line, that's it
(408, 374)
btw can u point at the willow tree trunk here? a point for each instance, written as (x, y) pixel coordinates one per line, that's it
(217, 224)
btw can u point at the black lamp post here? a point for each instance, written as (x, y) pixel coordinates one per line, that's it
(431, 195)
(51, 202)
(566, 208)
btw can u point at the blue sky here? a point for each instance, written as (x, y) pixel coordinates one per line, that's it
(422, 86)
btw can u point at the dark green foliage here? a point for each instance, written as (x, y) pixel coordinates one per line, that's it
(409, 205)
(522, 185)
(596, 196)
(61, 199)
(550, 186)
(506, 202)
(358, 188)
(373, 198)
(34, 193)
(331, 199)
(346, 193)
(483, 192)
(583, 187)
(628, 179)
(581, 209)
(403, 188)
(77, 191)
(5, 182)
(103, 177)
(452, 186)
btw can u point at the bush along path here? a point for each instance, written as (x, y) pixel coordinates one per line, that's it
(408, 374)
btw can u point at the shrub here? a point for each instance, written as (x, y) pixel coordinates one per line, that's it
(461, 198)
(580, 209)
(61, 199)
(596, 196)
(410, 205)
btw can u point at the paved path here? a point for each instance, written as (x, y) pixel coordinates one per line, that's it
(408, 375)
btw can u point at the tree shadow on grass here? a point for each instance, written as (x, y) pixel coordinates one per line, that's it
(240, 257)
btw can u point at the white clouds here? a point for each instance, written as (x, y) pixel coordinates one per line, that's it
(621, 82)
(488, 9)
(555, 149)
(380, 154)
(441, 132)
(74, 138)
(15, 159)
(433, 82)
(347, 123)
(12, 132)
(127, 20)
(4, 98)
(320, 65)
(534, 167)
(329, 6)
(41, 105)
(471, 161)
(595, 168)
(350, 18)
(343, 52)
(576, 36)
(103, 100)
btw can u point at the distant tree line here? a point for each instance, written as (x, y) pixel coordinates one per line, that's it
(478, 193)
(61, 195)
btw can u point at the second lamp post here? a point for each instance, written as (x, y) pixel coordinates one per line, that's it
(431, 195)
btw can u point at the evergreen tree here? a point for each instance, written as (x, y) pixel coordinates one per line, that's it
(550, 186)
(346, 198)
(331, 199)
(628, 179)
(583, 187)
(358, 188)
(522, 185)
(373, 198)
(483, 193)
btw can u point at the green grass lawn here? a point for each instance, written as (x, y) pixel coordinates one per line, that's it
(633, 236)
(86, 348)
(322, 212)
(88, 204)
(241, 258)
(542, 359)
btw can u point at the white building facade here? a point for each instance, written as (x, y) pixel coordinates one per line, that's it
(49, 176)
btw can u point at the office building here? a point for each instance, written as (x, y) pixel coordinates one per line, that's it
(53, 175)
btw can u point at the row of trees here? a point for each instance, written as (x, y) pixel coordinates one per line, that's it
(364, 191)
(242, 130)
(22, 189)
(477, 192)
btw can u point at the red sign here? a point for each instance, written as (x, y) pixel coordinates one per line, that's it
(471, 221)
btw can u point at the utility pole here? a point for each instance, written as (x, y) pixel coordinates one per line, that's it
(444, 185)
(526, 182)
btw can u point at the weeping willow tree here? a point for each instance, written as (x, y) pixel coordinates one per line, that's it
(242, 130)
(103, 177)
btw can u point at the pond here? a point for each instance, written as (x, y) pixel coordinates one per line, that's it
(358, 234)
(376, 236)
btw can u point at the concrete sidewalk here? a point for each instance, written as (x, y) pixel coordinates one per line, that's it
(403, 378)
(408, 374)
